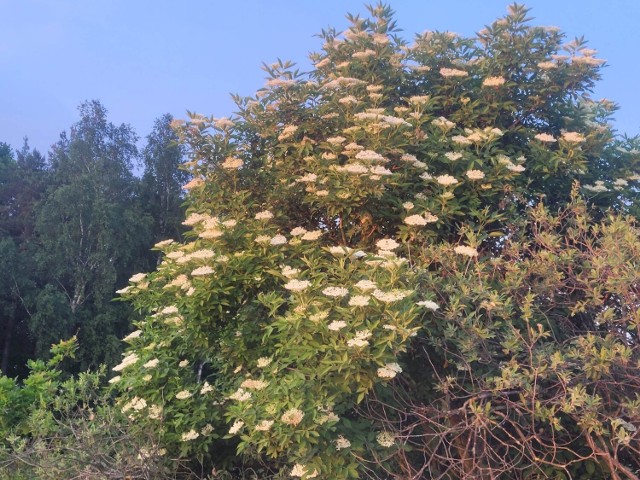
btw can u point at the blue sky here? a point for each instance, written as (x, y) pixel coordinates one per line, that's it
(143, 58)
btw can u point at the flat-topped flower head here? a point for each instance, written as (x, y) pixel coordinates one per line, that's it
(359, 301)
(466, 250)
(190, 435)
(474, 174)
(240, 395)
(133, 335)
(263, 362)
(202, 271)
(545, 137)
(420, 220)
(493, 81)
(342, 443)
(547, 65)
(391, 295)
(127, 361)
(446, 180)
(206, 388)
(573, 137)
(231, 163)
(389, 371)
(385, 439)
(152, 363)
(366, 285)
(370, 156)
(443, 123)
(278, 240)
(263, 215)
(138, 277)
(183, 395)
(428, 304)
(264, 425)
(292, 416)
(387, 244)
(252, 384)
(452, 72)
(236, 427)
(287, 132)
(337, 325)
(314, 235)
(335, 291)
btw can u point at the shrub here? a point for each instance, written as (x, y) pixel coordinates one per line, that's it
(413, 261)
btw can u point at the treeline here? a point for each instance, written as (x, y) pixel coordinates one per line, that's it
(74, 226)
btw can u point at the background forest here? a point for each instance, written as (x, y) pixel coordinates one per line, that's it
(415, 260)
(74, 226)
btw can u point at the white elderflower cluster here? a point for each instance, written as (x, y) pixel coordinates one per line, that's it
(366, 285)
(241, 395)
(428, 304)
(342, 443)
(597, 187)
(136, 403)
(126, 362)
(231, 163)
(263, 215)
(235, 428)
(292, 416)
(364, 54)
(545, 138)
(202, 271)
(466, 250)
(300, 470)
(190, 435)
(287, 132)
(389, 371)
(370, 156)
(493, 81)
(263, 362)
(278, 240)
(452, 72)
(573, 137)
(335, 291)
(132, 335)
(385, 439)
(474, 174)
(138, 277)
(387, 244)
(359, 301)
(443, 124)
(264, 426)
(314, 235)
(360, 340)
(337, 325)
(420, 220)
(206, 388)
(254, 384)
(446, 180)
(392, 295)
(152, 363)
(297, 285)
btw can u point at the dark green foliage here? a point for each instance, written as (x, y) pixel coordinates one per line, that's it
(161, 186)
(74, 228)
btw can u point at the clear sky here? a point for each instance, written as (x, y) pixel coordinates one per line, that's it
(143, 58)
